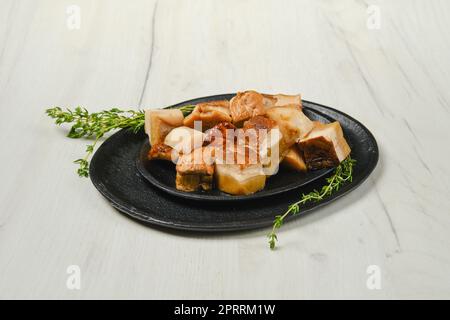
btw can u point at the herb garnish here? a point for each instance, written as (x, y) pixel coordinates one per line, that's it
(96, 125)
(342, 174)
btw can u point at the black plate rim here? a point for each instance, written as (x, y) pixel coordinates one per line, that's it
(223, 197)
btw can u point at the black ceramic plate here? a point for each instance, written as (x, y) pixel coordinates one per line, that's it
(162, 175)
(114, 173)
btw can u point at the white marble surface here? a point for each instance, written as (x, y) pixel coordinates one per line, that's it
(147, 54)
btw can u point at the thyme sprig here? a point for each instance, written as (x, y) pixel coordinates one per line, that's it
(97, 124)
(341, 175)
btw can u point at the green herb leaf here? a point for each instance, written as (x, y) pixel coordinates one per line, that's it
(342, 175)
(96, 125)
(187, 109)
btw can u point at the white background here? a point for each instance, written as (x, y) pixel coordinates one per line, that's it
(141, 54)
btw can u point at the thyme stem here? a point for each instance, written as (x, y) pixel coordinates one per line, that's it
(342, 175)
(97, 124)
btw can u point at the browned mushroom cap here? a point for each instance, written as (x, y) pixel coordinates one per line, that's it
(210, 114)
(246, 105)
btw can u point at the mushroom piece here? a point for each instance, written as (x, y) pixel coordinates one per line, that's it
(159, 122)
(292, 123)
(184, 139)
(294, 159)
(195, 170)
(209, 114)
(245, 105)
(325, 146)
(160, 151)
(281, 100)
(240, 180)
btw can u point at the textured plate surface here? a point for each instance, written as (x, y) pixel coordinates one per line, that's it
(162, 175)
(115, 174)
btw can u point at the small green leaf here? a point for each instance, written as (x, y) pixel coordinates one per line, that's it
(342, 174)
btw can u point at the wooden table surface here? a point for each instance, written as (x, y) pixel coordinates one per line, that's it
(386, 63)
